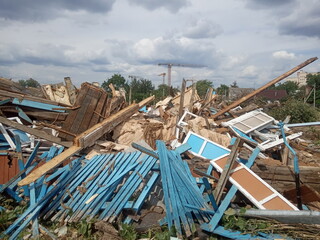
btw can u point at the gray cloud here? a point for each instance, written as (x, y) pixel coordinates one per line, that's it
(262, 4)
(303, 21)
(171, 5)
(37, 10)
(297, 18)
(49, 55)
(177, 50)
(203, 28)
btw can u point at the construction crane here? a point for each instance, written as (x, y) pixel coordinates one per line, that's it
(178, 65)
(163, 77)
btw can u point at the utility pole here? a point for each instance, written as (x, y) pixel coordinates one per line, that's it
(163, 83)
(130, 89)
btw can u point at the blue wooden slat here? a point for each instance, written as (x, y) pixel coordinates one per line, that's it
(39, 105)
(13, 194)
(128, 189)
(33, 154)
(209, 191)
(145, 192)
(182, 148)
(20, 162)
(33, 200)
(33, 211)
(165, 184)
(88, 170)
(23, 115)
(104, 179)
(5, 101)
(80, 199)
(125, 189)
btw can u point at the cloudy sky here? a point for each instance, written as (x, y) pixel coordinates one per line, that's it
(248, 41)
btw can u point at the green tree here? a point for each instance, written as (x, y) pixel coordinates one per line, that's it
(29, 83)
(140, 88)
(234, 84)
(118, 82)
(300, 112)
(163, 91)
(203, 86)
(314, 80)
(223, 90)
(291, 87)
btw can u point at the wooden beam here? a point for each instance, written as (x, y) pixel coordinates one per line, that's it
(90, 136)
(183, 89)
(226, 171)
(35, 174)
(35, 132)
(146, 101)
(274, 81)
(46, 115)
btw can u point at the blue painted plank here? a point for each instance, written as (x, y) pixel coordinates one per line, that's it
(13, 194)
(20, 162)
(105, 179)
(23, 115)
(5, 101)
(90, 168)
(38, 105)
(145, 192)
(112, 164)
(33, 211)
(182, 148)
(209, 191)
(126, 191)
(171, 217)
(33, 154)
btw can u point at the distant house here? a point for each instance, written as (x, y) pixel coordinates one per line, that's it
(272, 94)
(236, 93)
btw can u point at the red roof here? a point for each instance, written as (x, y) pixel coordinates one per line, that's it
(272, 94)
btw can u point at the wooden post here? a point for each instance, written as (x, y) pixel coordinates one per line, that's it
(183, 89)
(194, 88)
(226, 171)
(274, 81)
(130, 95)
(285, 155)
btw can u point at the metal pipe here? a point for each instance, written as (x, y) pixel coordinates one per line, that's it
(284, 216)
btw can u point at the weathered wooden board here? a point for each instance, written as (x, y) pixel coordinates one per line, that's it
(89, 106)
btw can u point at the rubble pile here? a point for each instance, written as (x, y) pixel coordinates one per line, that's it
(73, 155)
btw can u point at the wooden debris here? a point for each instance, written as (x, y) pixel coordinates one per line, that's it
(91, 101)
(274, 81)
(35, 132)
